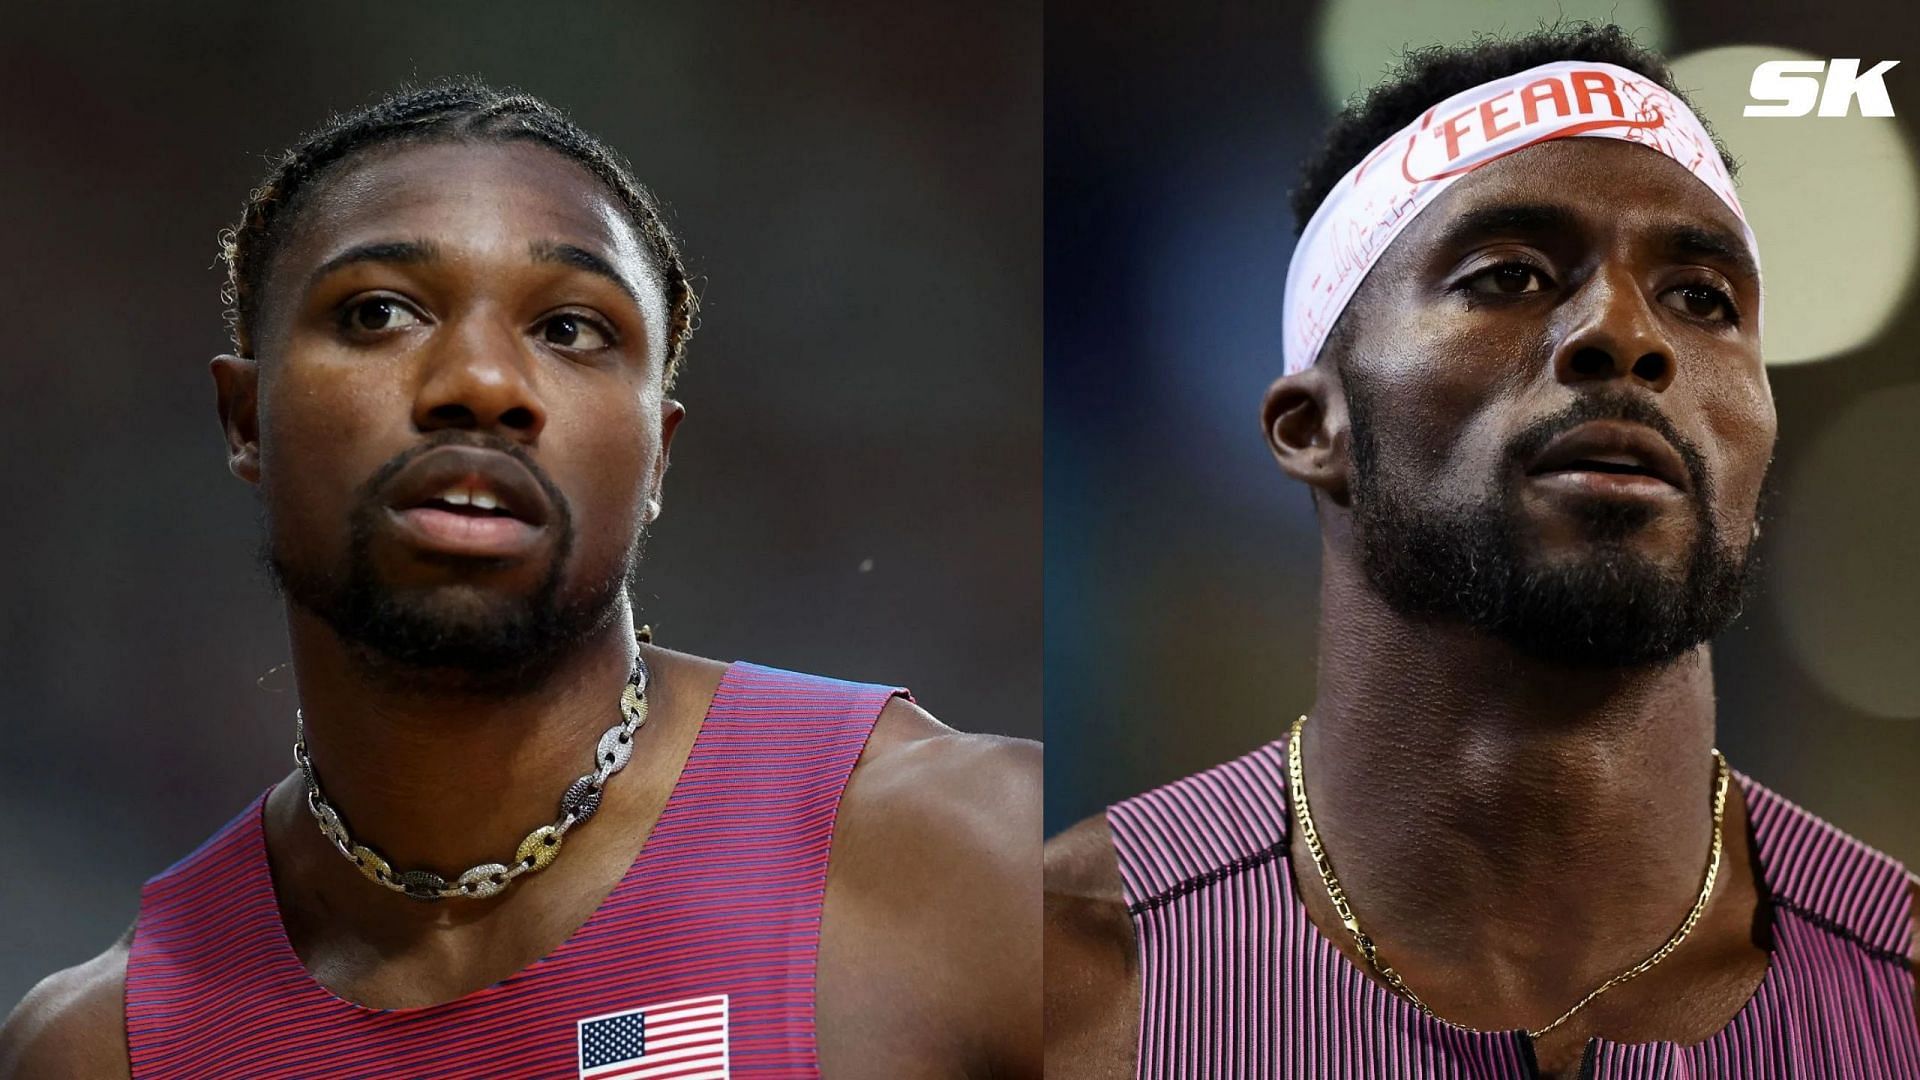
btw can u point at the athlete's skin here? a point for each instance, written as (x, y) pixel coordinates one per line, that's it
(929, 959)
(1510, 832)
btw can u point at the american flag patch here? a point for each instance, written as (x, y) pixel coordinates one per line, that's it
(685, 1040)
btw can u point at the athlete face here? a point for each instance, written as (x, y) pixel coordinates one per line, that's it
(459, 403)
(1561, 420)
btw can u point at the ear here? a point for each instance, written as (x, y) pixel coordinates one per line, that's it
(236, 381)
(1305, 416)
(671, 413)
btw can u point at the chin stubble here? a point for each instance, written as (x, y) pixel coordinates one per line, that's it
(1468, 563)
(453, 637)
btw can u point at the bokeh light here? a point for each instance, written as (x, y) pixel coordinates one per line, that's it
(1847, 590)
(1833, 201)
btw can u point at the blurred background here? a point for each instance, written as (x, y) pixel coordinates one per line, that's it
(1181, 565)
(856, 491)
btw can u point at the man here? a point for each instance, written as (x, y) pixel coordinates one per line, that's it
(1524, 385)
(519, 843)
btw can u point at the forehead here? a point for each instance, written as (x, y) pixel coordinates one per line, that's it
(485, 200)
(1604, 183)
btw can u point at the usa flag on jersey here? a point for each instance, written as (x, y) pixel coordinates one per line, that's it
(684, 1040)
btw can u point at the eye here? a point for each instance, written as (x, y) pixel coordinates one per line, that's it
(572, 331)
(1507, 279)
(1702, 302)
(377, 313)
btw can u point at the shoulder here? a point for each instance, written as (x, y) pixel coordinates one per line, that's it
(73, 1024)
(1081, 864)
(910, 749)
(696, 677)
(945, 803)
(930, 938)
(1092, 981)
(1089, 932)
(1803, 875)
(932, 809)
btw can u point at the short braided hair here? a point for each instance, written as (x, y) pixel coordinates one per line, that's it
(453, 110)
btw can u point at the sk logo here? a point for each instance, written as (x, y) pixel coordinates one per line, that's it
(1794, 84)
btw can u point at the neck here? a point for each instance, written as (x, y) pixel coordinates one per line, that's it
(1538, 825)
(445, 780)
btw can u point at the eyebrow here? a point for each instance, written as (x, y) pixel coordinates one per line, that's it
(581, 259)
(1507, 219)
(1689, 241)
(405, 252)
(415, 252)
(1706, 242)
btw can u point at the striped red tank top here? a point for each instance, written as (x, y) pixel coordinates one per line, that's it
(1237, 982)
(699, 964)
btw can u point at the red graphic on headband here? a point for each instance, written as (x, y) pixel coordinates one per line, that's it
(1575, 98)
(1472, 129)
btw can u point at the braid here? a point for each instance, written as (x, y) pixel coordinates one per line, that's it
(459, 109)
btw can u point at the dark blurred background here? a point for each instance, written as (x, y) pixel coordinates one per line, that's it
(856, 491)
(1182, 567)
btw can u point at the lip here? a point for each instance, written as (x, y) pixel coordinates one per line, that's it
(496, 473)
(1611, 442)
(449, 533)
(412, 492)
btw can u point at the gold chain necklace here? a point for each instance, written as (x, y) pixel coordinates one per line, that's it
(1304, 816)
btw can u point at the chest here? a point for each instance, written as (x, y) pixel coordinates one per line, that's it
(867, 1009)
(880, 1016)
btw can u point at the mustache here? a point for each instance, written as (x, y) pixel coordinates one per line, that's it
(366, 497)
(1610, 405)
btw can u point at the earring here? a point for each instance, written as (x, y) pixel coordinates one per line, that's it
(653, 508)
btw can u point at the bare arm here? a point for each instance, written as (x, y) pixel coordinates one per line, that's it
(1093, 980)
(930, 942)
(73, 1024)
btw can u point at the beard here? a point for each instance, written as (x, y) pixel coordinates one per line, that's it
(456, 637)
(1609, 607)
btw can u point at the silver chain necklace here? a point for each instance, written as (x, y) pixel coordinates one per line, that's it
(536, 852)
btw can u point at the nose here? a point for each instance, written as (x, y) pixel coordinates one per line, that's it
(479, 377)
(1614, 333)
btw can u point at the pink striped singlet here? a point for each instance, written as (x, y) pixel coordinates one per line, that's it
(699, 965)
(1237, 982)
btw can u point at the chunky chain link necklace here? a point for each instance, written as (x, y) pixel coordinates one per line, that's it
(536, 852)
(1304, 816)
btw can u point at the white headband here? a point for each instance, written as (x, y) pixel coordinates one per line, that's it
(1379, 196)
